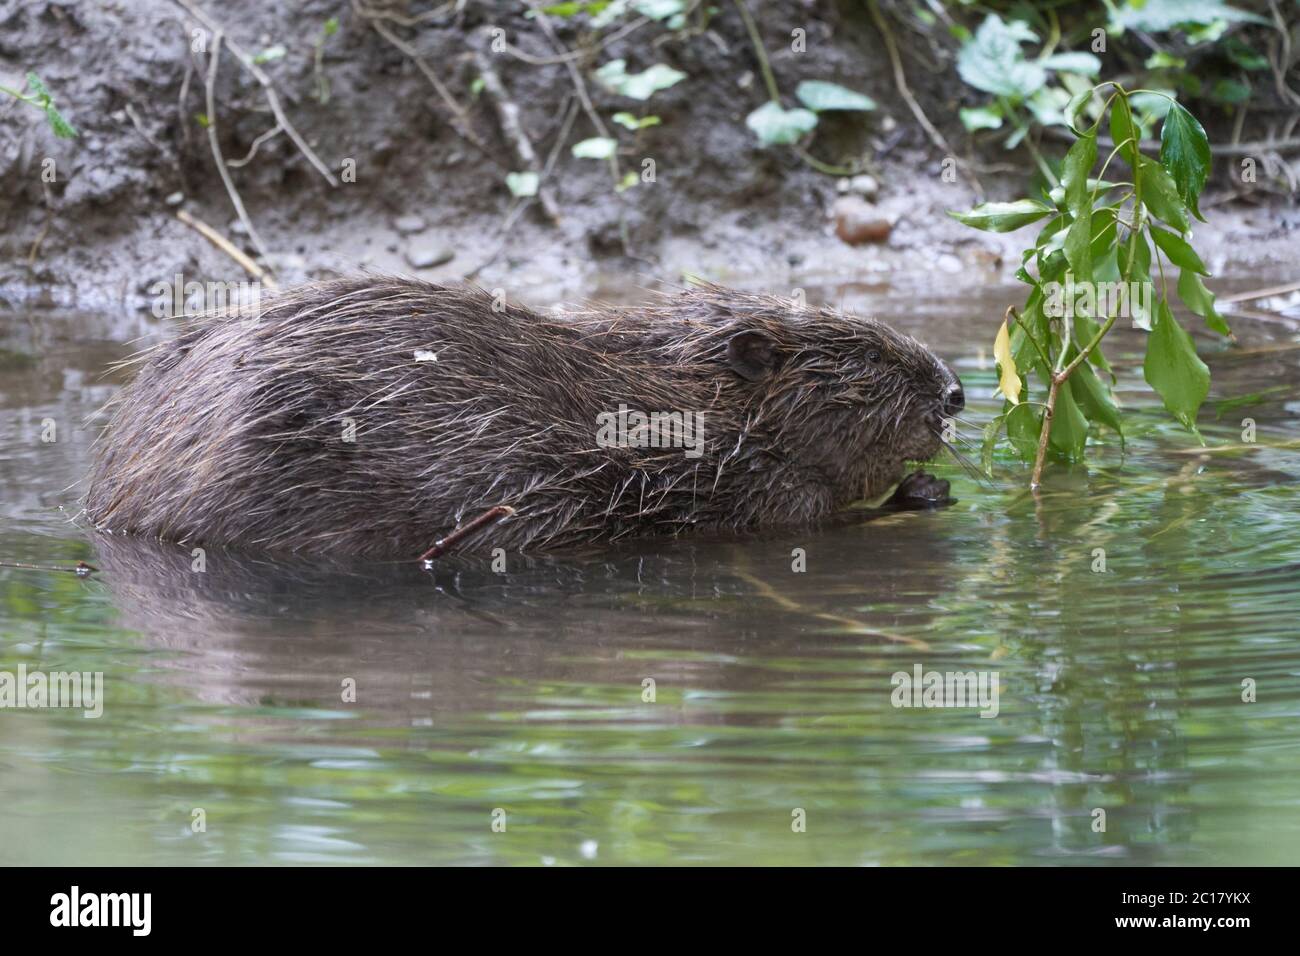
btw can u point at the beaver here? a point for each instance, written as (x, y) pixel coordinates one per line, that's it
(368, 416)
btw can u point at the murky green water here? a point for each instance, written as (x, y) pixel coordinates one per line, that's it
(523, 693)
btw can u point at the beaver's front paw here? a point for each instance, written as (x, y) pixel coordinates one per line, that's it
(919, 491)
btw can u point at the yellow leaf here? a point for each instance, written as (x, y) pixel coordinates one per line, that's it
(1009, 378)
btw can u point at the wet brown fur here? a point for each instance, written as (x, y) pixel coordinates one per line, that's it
(233, 432)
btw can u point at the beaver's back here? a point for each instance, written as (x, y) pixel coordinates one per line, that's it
(368, 416)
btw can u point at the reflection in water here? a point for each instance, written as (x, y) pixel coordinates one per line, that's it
(528, 691)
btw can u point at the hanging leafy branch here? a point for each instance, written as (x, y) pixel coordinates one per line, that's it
(40, 98)
(1093, 259)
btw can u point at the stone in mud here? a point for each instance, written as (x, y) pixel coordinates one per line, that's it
(427, 255)
(858, 221)
(408, 224)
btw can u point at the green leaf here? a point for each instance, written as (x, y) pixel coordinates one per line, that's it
(1094, 398)
(37, 87)
(821, 97)
(775, 125)
(981, 117)
(1069, 428)
(1185, 152)
(1173, 368)
(1003, 216)
(523, 184)
(992, 60)
(1180, 253)
(1085, 330)
(1121, 126)
(598, 147)
(1160, 195)
(331, 26)
(1078, 200)
(1024, 422)
(1200, 301)
(1140, 272)
(638, 86)
(62, 128)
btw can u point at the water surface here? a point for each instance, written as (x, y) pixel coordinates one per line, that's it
(521, 696)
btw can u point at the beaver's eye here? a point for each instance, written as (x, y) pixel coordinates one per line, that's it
(873, 356)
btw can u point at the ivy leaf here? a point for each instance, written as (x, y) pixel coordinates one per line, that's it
(1180, 253)
(1003, 216)
(1173, 368)
(992, 60)
(1160, 195)
(980, 117)
(638, 86)
(629, 121)
(821, 97)
(598, 147)
(1185, 152)
(1008, 377)
(1200, 301)
(777, 126)
(523, 185)
(1084, 63)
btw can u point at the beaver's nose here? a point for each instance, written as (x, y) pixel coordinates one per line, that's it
(954, 399)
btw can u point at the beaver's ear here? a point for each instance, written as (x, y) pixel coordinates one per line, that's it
(751, 355)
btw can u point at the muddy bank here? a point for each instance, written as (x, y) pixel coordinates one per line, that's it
(429, 194)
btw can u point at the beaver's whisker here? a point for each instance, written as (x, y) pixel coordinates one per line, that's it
(967, 465)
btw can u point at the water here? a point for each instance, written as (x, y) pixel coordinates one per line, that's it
(520, 698)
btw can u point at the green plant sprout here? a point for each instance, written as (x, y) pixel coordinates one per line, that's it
(41, 99)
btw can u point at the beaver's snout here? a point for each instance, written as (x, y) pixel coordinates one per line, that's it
(954, 399)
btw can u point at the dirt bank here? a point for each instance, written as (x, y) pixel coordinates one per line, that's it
(429, 195)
